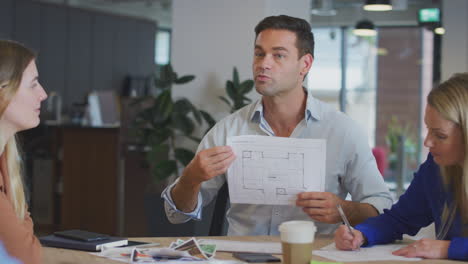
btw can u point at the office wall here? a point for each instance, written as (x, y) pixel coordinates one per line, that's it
(79, 50)
(455, 40)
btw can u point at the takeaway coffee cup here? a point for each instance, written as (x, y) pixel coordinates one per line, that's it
(296, 240)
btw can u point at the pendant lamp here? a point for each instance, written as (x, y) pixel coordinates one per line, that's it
(377, 5)
(365, 28)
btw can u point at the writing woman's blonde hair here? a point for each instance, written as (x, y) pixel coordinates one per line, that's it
(450, 99)
(14, 58)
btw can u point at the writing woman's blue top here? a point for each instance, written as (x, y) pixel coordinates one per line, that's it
(419, 206)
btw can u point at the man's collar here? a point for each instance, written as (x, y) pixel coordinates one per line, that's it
(313, 110)
(257, 112)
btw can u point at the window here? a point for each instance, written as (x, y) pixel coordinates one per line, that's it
(380, 82)
(344, 74)
(163, 47)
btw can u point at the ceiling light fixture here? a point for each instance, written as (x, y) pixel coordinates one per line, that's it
(439, 30)
(365, 28)
(377, 5)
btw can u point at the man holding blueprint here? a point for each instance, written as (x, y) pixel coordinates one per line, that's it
(297, 159)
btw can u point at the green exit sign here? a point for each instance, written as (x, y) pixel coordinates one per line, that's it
(429, 15)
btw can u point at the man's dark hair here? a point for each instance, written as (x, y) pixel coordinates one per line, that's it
(304, 36)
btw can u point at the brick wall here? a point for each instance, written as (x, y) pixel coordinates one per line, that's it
(399, 74)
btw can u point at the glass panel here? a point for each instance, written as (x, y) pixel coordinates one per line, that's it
(163, 44)
(324, 79)
(361, 69)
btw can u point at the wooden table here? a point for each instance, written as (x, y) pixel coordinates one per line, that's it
(65, 256)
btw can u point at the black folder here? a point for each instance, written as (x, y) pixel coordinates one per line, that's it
(61, 242)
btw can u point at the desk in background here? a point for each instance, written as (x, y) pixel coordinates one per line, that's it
(91, 179)
(95, 179)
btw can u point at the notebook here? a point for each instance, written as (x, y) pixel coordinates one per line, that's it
(60, 242)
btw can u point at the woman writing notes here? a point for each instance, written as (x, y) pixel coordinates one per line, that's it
(439, 190)
(20, 101)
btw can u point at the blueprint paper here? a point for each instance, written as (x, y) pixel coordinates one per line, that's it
(375, 253)
(273, 170)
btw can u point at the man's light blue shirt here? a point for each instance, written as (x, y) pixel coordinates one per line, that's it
(350, 168)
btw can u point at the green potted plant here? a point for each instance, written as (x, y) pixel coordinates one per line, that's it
(163, 121)
(395, 131)
(158, 127)
(237, 92)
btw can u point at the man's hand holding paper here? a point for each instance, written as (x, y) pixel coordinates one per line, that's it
(320, 206)
(207, 164)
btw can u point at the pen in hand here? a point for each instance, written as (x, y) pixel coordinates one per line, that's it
(345, 220)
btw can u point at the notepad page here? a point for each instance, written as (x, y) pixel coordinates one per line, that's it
(375, 253)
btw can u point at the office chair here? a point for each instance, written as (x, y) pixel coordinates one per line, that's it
(219, 212)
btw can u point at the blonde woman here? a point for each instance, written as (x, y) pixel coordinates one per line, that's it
(439, 190)
(20, 101)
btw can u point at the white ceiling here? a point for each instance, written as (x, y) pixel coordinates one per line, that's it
(347, 11)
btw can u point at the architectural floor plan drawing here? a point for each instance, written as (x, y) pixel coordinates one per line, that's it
(273, 170)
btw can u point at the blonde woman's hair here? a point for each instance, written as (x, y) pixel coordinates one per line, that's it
(450, 99)
(14, 58)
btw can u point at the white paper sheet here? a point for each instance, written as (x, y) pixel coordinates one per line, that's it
(379, 252)
(245, 246)
(273, 170)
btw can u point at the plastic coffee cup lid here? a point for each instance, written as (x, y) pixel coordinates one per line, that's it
(297, 231)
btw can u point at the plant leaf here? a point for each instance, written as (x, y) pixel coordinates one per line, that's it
(230, 90)
(182, 106)
(164, 168)
(239, 104)
(157, 152)
(248, 100)
(196, 113)
(184, 79)
(161, 83)
(184, 155)
(224, 99)
(169, 68)
(165, 77)
(195, 139)
(174, 77)
(208, 118)
(159, 136)
(235, 77)
(183, 123)
(164, 104)
(246, 86)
